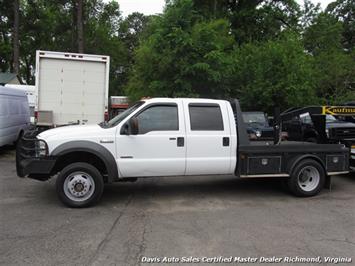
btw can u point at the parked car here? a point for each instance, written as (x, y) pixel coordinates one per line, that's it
(348, 118)
(302, 129)
(258, 126)
(31, 93)
(14, 115)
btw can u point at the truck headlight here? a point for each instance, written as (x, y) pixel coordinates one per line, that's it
(327, 132)
(258, 133)
(41, 148)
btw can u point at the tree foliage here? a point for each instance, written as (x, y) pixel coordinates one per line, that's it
(276, 72)
(184, 55)
(265, 52)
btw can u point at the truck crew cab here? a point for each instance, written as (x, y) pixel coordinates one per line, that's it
(170, 137)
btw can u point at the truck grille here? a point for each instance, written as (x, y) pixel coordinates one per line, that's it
(26, 147)
(343, 133)
(267, 134)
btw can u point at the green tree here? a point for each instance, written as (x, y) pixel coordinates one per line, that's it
(344, 10)
(132, 28)
(334, 66)
(52, 25)
(276, 72)
(309, 13)
(46, 25)
(261, 20)
(184, 56)
(6, 22)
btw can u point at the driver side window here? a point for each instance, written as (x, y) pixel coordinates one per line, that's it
(158, 118)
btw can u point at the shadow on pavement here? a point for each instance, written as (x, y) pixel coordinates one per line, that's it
(8, 150)
(221, 187)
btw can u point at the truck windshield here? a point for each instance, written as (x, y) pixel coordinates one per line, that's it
(117, 119)
(251, 118)
(330, 119)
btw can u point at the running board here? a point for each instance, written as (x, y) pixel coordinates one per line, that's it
(338, 173)
(264, 175)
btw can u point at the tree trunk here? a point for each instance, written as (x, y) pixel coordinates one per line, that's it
(16, 47)
(80, 26)
(215, 9)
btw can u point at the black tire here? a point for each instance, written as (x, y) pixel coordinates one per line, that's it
(307, 169)
(85, 170)
(19, 137)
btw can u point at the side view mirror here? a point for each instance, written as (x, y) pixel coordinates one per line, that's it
(133, 124)
(125, 129)
(130, 128)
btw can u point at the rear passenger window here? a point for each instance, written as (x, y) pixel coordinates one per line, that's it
(206, 117)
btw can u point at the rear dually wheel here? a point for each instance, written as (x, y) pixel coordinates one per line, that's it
(307, 178)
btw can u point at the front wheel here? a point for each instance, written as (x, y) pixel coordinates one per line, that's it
(79, 185)
(307, 179)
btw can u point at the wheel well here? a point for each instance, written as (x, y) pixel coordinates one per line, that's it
(83, 157)
(18, 137)
(307, 157)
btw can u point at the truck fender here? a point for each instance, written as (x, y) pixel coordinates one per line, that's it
(291, 165)
(90, 147)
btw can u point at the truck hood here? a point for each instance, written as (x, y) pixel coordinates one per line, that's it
(340, 124)
(260, 128)
(69, 132)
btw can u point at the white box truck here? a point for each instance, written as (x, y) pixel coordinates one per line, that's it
(72, 88)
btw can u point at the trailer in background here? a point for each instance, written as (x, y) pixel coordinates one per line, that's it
(117, 105)
(72, 88)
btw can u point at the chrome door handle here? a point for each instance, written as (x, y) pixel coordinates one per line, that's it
(106, 141)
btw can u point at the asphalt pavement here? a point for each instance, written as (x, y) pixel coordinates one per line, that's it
(180, 218)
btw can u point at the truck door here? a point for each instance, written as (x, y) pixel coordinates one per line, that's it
(295, 129)
(208, 138)
(159, 148)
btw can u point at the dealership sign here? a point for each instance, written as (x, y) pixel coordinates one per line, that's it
(338, 110)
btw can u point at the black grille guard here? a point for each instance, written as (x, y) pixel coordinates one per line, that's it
(28, 147)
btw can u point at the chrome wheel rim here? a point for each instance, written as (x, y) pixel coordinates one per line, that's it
(308, 178)
(79, 186)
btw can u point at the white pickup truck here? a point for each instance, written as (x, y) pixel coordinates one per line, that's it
(170, 137)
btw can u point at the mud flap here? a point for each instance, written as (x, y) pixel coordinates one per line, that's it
(328, 182)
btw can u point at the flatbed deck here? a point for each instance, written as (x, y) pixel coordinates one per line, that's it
(265, 158)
